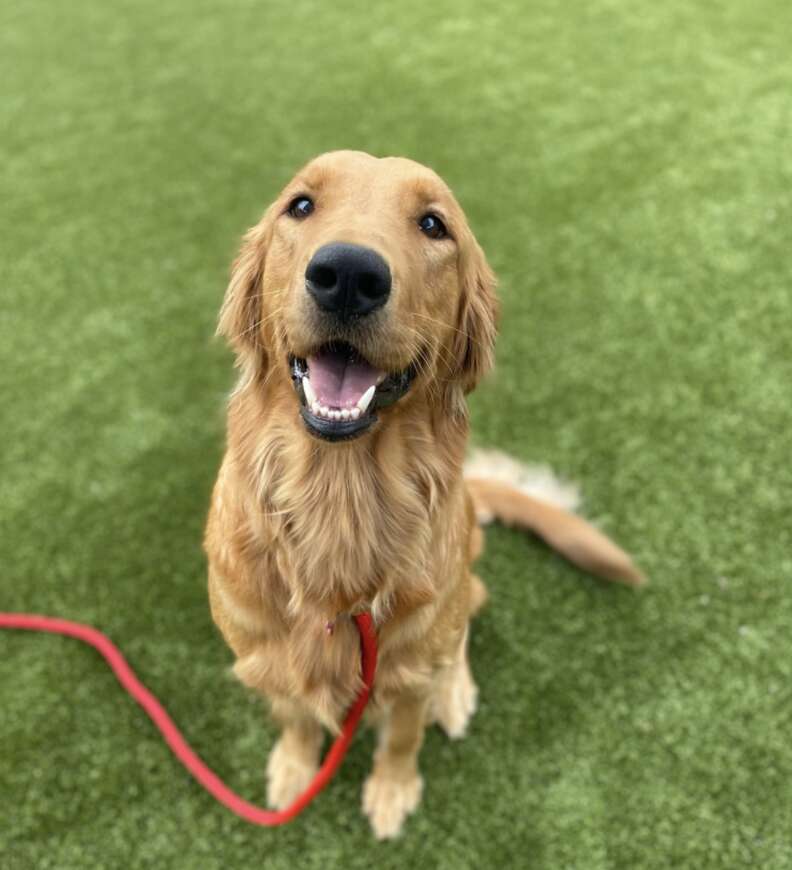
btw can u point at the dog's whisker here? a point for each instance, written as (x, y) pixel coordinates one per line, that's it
(257, 324)
(447, 326)
(443, 351)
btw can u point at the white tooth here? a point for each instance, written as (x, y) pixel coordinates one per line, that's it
(316, 407)
(310, 393)
(324, 411)
(335, 415)
(354, 413)
(345, 414)
(365, 400)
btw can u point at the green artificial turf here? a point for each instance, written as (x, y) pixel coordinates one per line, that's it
(628, 168)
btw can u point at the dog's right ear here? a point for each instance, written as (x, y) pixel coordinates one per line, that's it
(240, 315)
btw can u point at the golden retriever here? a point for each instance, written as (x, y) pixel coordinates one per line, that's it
(362, 311)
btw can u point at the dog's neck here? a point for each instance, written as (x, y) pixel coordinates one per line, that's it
(351, 525)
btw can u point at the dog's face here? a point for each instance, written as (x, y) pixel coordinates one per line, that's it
(364, 284)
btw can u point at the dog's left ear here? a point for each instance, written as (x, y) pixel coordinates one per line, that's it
(478, 317)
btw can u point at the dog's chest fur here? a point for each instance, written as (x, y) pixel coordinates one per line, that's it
(305, 536)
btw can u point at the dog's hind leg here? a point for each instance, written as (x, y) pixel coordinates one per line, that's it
(478, 591)
(454, 701)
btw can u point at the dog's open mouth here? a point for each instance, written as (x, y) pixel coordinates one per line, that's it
(340, 390)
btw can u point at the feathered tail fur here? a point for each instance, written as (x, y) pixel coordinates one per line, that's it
(533, 498)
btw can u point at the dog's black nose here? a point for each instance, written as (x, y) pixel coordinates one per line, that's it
(348, 280)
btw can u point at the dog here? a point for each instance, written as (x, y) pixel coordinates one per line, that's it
(362, 311)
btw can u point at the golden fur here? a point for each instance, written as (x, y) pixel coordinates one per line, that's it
(303, 533)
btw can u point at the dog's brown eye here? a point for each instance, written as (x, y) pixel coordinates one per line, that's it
(301, 207)
(432, 226)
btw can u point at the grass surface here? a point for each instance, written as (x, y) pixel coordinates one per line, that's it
(627, 166)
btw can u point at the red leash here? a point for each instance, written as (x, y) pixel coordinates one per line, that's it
(156, 712)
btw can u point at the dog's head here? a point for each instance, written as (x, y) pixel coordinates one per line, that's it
(363, 284)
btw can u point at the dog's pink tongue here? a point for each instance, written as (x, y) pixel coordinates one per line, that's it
(340, 380)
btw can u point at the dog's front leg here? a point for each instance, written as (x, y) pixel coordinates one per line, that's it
(294, 759)
(393, 789)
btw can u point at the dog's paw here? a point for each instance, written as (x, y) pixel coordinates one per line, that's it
(455, 702)
(287, 777)
(387, 802)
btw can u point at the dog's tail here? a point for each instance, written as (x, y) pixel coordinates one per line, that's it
(533, 498)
